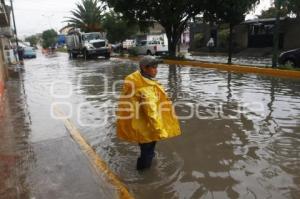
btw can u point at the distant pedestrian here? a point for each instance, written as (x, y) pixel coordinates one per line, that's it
(211, 43)
(20, 51)
(145, 114)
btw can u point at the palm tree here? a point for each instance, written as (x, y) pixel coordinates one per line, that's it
(87, 16)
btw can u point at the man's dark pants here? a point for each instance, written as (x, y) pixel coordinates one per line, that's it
(147, 154)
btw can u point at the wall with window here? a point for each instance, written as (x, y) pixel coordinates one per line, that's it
(292, 32)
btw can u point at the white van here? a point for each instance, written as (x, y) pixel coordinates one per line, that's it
(128, 43)
(154, 47)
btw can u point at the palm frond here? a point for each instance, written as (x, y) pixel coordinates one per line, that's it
(87, 16)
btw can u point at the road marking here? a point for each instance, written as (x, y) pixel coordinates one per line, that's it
(93, 157)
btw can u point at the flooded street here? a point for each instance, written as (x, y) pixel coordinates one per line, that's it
(240, 132)
(241, 60)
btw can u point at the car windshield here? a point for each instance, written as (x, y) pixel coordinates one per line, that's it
(142, 43)
(91, 36)
(29, 49)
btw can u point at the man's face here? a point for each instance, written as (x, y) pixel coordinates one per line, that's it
(150, 70)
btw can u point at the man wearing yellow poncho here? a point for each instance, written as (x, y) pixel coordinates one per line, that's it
(145, 113)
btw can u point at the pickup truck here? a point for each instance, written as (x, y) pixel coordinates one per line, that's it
(291, 58)
(155, 47)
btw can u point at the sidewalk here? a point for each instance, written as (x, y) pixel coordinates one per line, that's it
(50, 168)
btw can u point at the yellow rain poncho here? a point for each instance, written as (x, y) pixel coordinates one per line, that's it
(145, 113)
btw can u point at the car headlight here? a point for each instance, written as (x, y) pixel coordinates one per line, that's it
(90, 46)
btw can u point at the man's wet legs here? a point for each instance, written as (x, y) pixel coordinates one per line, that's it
(147, 154)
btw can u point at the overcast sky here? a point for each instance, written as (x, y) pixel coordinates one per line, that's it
(34, 16)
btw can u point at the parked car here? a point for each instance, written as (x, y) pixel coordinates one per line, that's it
(291, 57)
(29, 52)
(154, 47)
(116, 47)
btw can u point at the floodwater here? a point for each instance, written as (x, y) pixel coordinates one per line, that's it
(240, 132)
(249, 61)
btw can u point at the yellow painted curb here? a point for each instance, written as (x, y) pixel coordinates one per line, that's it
(238, 68)
(93, 157)
(232, 68)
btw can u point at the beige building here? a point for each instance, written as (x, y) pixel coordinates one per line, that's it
(258, 33)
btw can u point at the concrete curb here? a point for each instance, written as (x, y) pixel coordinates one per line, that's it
(97, 162)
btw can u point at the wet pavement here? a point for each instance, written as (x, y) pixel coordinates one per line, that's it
(241, 132)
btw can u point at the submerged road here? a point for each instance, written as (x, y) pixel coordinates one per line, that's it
(241, 134)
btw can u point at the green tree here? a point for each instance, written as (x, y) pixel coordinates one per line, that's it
(118, 29)
(272, 11)
(173, 15)
(293, 6)
(286, 7)
(231, 12)
(87, 16)
(49, 38)
(33, 40)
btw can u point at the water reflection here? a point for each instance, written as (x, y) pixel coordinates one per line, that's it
(249, 61)
(173, 82)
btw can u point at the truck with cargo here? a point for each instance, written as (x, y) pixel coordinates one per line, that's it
(92, 44)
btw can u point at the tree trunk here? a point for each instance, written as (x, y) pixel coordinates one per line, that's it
(173, 35)
(178, 46)
(121, 47)
(230, 45)
(172, 44)
(276, 36)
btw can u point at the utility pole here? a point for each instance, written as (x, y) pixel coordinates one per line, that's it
(278, 4)
(14, 21)
(19, 51)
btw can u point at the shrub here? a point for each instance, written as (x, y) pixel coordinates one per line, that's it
(288, 67)
(223, 38)
(132, 52)
(198, 41)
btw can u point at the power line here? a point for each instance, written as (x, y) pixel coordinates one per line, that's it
(31, 10)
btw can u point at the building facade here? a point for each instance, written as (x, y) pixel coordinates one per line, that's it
(5, 34)
(258, 33)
